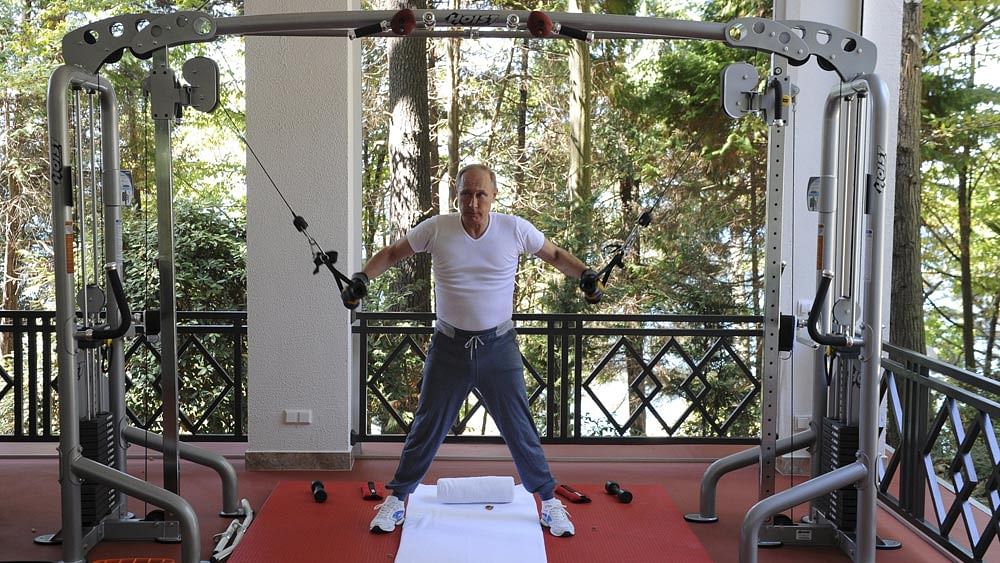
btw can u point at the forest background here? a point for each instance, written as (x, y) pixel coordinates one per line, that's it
(583, 138)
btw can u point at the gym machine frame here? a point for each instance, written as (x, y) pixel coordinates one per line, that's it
(84, 389)
(87, 49)
(850, 240)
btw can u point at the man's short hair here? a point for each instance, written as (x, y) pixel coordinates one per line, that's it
(476, 166)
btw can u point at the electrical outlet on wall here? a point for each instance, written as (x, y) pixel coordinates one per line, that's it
(298, 416)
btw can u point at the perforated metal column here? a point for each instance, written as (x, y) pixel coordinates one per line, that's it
(771, 375)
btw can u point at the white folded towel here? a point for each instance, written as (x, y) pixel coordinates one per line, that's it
(470, 533)
(475, 490)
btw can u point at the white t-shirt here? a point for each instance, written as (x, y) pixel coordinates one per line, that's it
(474, 278)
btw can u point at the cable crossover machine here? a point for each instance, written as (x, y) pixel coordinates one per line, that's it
(845, 319)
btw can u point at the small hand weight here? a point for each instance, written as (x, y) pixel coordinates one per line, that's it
(613, 488)
(318, 491)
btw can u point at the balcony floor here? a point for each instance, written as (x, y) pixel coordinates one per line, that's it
(30, 492)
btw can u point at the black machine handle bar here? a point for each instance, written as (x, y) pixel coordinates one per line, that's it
(839, 341)
(123, 311)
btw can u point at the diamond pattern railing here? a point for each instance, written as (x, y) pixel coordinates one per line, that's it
(201, 352)
(406, 344)
(943, 472)
(211, 363)
(211, 370)
(589, 378)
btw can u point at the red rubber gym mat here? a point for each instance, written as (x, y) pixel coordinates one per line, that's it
(290, 526)
(650, 529)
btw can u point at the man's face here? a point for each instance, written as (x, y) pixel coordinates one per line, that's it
(475, 196)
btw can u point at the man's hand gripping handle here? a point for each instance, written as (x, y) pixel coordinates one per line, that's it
(355, 291)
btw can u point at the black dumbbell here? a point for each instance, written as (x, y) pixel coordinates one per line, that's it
(319, 492)
(613, 488)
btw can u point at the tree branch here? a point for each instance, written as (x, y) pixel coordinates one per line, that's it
(941, 312)
(963, 38)
(942, 242)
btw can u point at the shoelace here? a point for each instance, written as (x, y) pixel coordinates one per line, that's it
(559, 509)
(473, 343)
(379, 506)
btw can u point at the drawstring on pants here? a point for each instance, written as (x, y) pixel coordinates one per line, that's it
(472, 343)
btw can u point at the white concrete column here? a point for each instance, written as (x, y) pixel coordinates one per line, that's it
(881, 23)
(303, 120)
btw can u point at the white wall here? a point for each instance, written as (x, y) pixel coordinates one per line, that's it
(880, 23)
(303, 119)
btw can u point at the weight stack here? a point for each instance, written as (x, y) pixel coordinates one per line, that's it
(839, 449)
(97, 442)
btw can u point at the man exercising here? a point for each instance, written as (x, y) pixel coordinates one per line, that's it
(475, 255)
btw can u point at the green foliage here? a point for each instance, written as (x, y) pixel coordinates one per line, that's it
(209, 212)
(210, 255)
(31, 36)
(210, 215)
(961, 130)
(960, 151)
(656, 124)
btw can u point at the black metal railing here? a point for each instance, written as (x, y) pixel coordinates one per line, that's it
(211, 373)
(28, 388)
(943, 474)
(590, 378)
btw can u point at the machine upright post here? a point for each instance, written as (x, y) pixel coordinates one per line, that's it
(872, 351)
(162, 87)
(826, 236)
(111, 197)
(773, 226)
(60, 178)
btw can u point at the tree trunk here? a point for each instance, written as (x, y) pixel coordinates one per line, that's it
(409, 158)
(521, 168)
(991, 337)
(13, 225)
(757, 187)
(965, 262)
(579, 175)
(375, 163)
(965, 190)
(12, 242)
(628, 188)
(433, 117)
(522, 125)
(906, 316)
(453, 56)
(12, 274)
(499, 105)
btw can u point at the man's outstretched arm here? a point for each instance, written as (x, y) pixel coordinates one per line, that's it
(573, 267)
(561, 259)
(387, 258)
(384, 259)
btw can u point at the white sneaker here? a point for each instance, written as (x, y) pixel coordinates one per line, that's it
(390, 514)
(556, 518)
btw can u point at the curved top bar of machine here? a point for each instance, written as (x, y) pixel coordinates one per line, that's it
(102, 42)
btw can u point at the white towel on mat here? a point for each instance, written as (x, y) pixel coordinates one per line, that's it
(435, 532)
(463, 490)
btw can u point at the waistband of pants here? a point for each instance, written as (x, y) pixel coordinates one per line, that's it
(457, 333)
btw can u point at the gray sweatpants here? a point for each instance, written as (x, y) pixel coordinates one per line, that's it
(457, 362)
